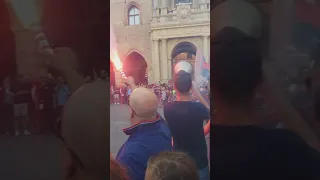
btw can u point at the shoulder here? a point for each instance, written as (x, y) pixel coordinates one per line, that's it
(293, 145)
(168, 106)
(199, 105)
(284, 134)
(127, 153)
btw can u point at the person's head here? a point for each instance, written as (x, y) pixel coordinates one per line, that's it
(85, 129)
(143, 103)
(61, 80)
(182, 83)
(171, 166)
(87, 79)
(236, 67)
(6, 80)
(43, 80)
(117, 172)
(19, 77)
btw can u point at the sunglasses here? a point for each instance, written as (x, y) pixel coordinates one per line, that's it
(134, 113)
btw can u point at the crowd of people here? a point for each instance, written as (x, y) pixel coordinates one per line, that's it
(31, 105)
(164, 91)
(241, 145)
(173, 147)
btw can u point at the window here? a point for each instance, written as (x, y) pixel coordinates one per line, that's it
(134, 16)
(182, 1)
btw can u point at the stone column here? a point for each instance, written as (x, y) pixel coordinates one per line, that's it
(164, 3)
(195, 3)
(202, 4)
(169, 68)
(164, 60)
(205, 47)
(170, 4)
(155, 60)
(164, 7)
(155, 4)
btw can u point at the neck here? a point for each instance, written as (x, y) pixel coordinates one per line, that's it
(182, 97)
(235, 116)
(136, 120)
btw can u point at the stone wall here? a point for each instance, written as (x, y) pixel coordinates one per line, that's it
(132, 38)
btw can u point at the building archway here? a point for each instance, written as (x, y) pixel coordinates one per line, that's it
(184, 51)
(135, 65)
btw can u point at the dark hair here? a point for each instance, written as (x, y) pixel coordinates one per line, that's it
(116, 171)
(236, 64)
(172, 166)
(183, 82)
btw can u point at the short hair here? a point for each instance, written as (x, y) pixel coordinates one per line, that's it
(236, 64)
(117, 172)
(182, 81)
(172, 166)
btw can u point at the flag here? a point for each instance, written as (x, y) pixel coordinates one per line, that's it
(202, 68)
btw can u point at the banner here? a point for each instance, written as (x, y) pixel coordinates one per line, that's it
(202, 68)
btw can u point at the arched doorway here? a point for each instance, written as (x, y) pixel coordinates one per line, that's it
(184, 51)
(135, 65)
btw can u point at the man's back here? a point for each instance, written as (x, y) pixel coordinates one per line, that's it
(147, 139)
(185, 119)
(252, 152)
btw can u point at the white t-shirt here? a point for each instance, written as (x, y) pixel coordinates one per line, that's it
(164, 95)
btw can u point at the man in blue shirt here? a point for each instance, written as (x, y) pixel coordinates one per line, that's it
(185, 119)
(62, 92)
(148, 134)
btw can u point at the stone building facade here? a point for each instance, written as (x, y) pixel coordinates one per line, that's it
(165, 32)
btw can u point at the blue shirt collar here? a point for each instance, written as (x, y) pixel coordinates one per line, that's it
(137, 127)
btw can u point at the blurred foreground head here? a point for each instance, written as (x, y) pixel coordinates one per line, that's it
(143, 103)
(171, 166)
(236, 66)
(117, 172)
(85, 128)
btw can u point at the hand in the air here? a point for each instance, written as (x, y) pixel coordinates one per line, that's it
(131, 82)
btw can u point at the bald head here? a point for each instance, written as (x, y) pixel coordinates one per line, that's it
(144, 102)
(85, 125)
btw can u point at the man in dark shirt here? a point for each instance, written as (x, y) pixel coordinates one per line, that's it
(46, 110)
(239, 147)
(22, 96)
(185, 119)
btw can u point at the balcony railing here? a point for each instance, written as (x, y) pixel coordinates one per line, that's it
(185, 16)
